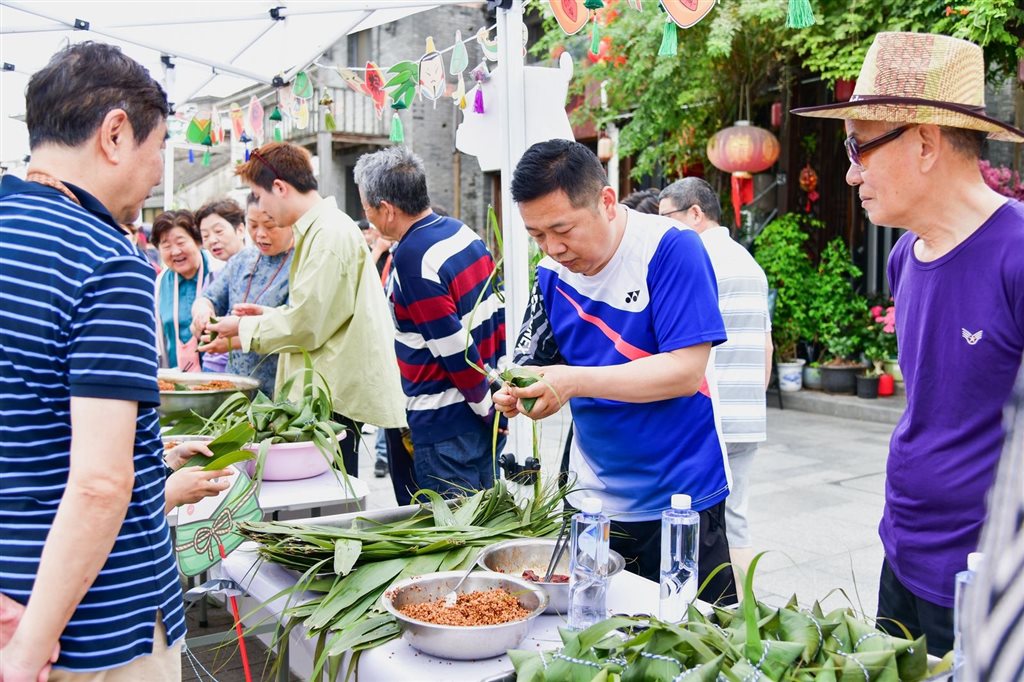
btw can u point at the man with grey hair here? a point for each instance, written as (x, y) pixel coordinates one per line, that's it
(743, 363)
(447, 311)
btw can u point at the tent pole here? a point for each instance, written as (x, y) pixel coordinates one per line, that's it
(512, 118)
(169, 176)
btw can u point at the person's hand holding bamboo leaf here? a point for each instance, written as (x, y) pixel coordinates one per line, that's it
(218, 335)
(537, 392)
(202, 314)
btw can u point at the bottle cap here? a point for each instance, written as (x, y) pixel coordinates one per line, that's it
(974, 560)
(590, 505)
(680, 501)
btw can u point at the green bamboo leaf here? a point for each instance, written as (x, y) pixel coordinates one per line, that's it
(346, 553)
(352, 588)
(228, 459)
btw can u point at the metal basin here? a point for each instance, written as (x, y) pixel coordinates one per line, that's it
(204, 403)
(463, 643)
(515, 556)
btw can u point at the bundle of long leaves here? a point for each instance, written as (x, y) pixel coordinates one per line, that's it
(755, 642)
(350, 568)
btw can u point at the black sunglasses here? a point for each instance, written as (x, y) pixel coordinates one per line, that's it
(262, 159)
(855, 151)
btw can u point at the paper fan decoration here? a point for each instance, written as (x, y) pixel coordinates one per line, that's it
(256, 119)
(300, 110)
(687, 13)
(460, 57)
(237, 120)
(198, 131)
(404, 77)
(571, 15)
(374, 87)
(432, 80)
(489, 46)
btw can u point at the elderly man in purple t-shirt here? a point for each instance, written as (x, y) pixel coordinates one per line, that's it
(916, 126)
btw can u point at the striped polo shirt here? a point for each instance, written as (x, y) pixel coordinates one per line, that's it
(740, 361)
(440, 290)
(77, 319)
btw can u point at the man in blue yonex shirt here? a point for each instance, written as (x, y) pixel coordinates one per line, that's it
(622, 320)
(86, 564)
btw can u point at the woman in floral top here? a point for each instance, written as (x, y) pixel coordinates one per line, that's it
(256, 275)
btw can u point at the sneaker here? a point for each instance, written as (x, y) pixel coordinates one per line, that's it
(380, 469)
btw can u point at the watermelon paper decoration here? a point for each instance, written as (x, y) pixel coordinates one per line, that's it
(571, 15)
(687, 13)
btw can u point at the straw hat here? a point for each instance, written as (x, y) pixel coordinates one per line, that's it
(920, 78)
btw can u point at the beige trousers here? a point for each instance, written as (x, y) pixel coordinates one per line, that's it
(163, 665)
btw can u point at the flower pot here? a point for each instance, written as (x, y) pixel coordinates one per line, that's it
(841, 380)
(791, 375)
(867, 387)
(886, 386)
(892, 366)
(812, 377)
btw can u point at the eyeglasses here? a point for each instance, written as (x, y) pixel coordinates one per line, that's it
(855, 151)
(678, 210)
(262, 159)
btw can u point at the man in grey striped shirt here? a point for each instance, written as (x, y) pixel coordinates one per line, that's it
(743, 363)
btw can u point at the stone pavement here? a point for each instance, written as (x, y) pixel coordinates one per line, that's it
(816, 499)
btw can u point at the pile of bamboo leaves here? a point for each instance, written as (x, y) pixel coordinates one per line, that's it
(753, 642)
(351, 568)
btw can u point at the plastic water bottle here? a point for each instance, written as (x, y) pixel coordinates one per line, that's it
(680, 544)
(963, 581)
(588, 569)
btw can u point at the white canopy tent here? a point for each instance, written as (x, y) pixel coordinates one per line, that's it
(217, 48)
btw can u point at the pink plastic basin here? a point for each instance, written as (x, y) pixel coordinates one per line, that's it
(291, 461)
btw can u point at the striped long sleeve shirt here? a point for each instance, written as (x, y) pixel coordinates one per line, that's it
(77, 321)
(446, 310)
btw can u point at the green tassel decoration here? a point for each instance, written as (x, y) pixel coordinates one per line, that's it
(595, 38)
(397, 131)
(329, 121)
(206, 158)
(800, 14)
(594, 4)
(278, 134)
(669, 39)
(275, 115)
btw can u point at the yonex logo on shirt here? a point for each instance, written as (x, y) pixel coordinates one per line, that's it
(972, 339)
(631, 296)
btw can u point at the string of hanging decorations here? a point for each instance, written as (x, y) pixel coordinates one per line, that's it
(427, 77)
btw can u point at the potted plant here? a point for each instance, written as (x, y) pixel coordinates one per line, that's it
(812, 375)
(837, 312)
(780, 252)
(879, 345)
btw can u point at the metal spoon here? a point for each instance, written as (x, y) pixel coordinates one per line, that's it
(452, 597)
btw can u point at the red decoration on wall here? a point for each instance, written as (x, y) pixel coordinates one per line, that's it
(742, 150)
(776, 115)
(809, 184)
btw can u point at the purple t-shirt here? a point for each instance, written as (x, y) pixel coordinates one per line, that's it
(960, 323)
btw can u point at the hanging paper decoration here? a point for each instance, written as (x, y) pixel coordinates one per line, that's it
(352, 79)
(327, 103)
(198, 131)
(669, 39)
(809, 185)
(488, 46)
(216, 129)
(593, 5)
(374, 87)
(256, 119)
(800, 14)
(245, 139)
(571, 15)
(404, 78)
(742, 149)
(237, 121)
(432, 80)
(302, 86)
(397, 131)
(206, 526)
(481, 75)
(459, 95)
(460, 56)
(301, 114)
(686, 13)
(276, 114)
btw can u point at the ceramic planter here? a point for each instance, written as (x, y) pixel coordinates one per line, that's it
(791, 375)
(812, 377)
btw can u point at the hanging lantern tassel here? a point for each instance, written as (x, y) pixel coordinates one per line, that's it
(206, 157)
(247, 154)
(595, 37)
(329, 121)
(742, 192)
(800, 14)
(669, 39)
(278, 133)
(594, 5)
(478, 100)
(397, 131)
(191, 156)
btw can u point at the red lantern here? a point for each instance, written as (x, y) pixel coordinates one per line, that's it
(776, 115)
(742, 150)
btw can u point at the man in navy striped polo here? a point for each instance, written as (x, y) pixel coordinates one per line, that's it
(449, 317)
(88, 581)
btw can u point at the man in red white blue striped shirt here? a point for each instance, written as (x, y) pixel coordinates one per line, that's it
(449, 317)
